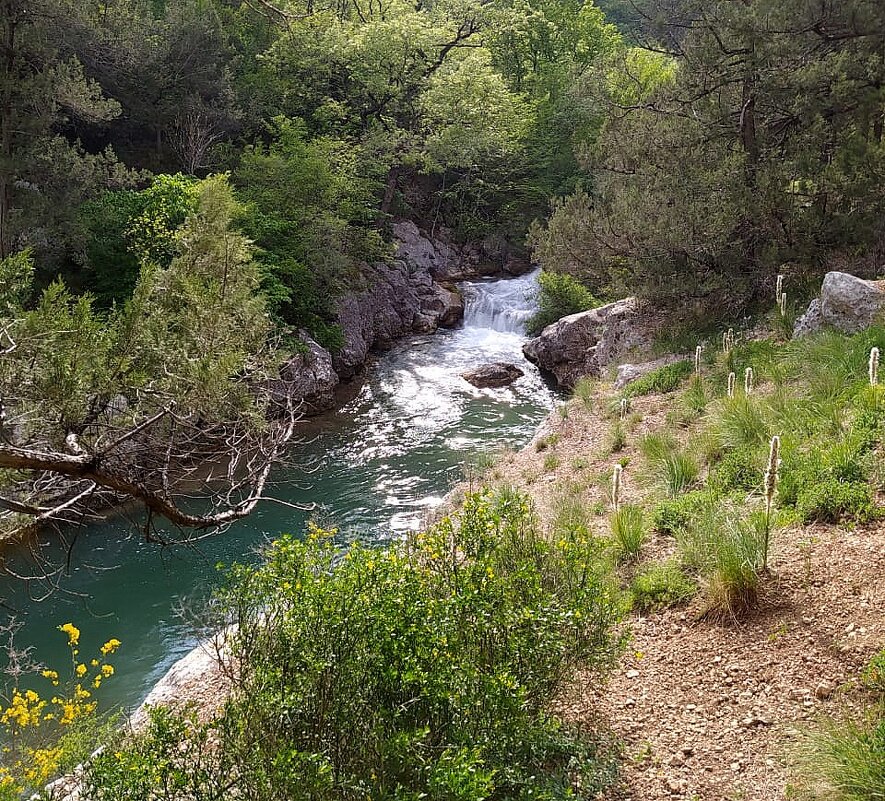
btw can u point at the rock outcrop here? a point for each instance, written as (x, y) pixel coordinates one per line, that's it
(587, 342)
(496, 374)
(847, 304)
(307, 378)
(396, 299)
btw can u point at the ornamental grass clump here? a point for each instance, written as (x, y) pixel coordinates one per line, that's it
(627, 520)
(669, 467)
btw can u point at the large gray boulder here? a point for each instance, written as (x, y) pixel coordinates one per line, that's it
(495, 374)
(586, 343)
(847, 304)
(307, 380)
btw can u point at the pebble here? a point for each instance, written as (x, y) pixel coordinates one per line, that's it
(632, 674)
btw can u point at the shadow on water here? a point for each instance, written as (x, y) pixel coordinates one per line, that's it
(378, 465)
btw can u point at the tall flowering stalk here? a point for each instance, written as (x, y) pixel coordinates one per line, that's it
(625, 408)
(697, 360)
(616, 487)
(772, 474)
(732, 378)
(748, 381)
(782, 304)
(779, 290)
(874, 367)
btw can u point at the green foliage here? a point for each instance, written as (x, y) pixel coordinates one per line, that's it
(669, 467)
(659, 586)
(740, 469)
(741, 421)
(361, 676)
(16, 281)
(845, 760)
(560, 296)
(628, 530)
(125, 229)
(673, 516)
(617, 438)
(664, 379)
(728, 549)
(585, 391)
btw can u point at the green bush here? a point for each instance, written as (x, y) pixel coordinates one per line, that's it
(560, 295)
(740, 469)
(673, 515)
(660, 586)
(405, 674)
(664, 379)
(741, 421)
(831, 501)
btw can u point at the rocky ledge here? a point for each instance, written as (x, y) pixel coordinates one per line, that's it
(588, 342)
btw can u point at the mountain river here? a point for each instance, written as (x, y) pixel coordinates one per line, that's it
(377, 465)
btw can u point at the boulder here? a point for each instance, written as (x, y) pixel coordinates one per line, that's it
(847, 304)
(628, 373)
(307, 379)
(587, 342)
(496, 374)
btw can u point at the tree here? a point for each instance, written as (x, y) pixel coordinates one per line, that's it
(159, 401)
(761, 144)
(43, 175)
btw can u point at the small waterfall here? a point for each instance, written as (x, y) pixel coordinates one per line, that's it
(504, 305)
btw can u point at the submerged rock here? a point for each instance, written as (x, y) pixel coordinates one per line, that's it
(847, 304)
(587, 342)
(496, 374)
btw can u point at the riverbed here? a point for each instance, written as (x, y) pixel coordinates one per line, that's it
(373, 469)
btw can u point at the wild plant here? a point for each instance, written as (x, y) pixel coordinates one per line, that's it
(617, 438)
(730, 386)
(670, 468)
(779, 289)
(740, 421)
(628, 530)
(874, 367)
(772, 471)
(782, 304)
(585, 392)
(616, 487)
(697, 360)
(748, 381)
(625, 408)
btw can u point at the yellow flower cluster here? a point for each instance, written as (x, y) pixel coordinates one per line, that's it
(32, 728)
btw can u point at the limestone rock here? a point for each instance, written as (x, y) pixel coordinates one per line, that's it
(496, 374)
(395, 299)
(587, 342)
(435, 256)
(628, 373)
(847, 304)
(308, 379)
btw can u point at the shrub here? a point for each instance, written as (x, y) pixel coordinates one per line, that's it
(426, 673)
(560, 295)
(831, 501)
(660, 586)
(664, 379)
(729, 551)
(669, 467)
(739, 469)
(673, 515)
(628, 530)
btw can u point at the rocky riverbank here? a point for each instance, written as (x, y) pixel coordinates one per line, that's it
(415, 293)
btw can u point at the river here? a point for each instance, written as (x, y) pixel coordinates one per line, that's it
(376, 466)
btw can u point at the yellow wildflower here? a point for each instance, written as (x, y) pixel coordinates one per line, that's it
(110, 646)
(80, 670)
(107, 670)
(72, 631)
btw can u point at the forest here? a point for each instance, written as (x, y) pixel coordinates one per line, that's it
(189, 192)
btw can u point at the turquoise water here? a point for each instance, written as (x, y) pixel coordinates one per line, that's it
(374, 469)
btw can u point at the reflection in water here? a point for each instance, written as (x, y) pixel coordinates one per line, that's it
(378, 465)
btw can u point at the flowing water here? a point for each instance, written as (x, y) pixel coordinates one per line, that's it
(376, 467)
